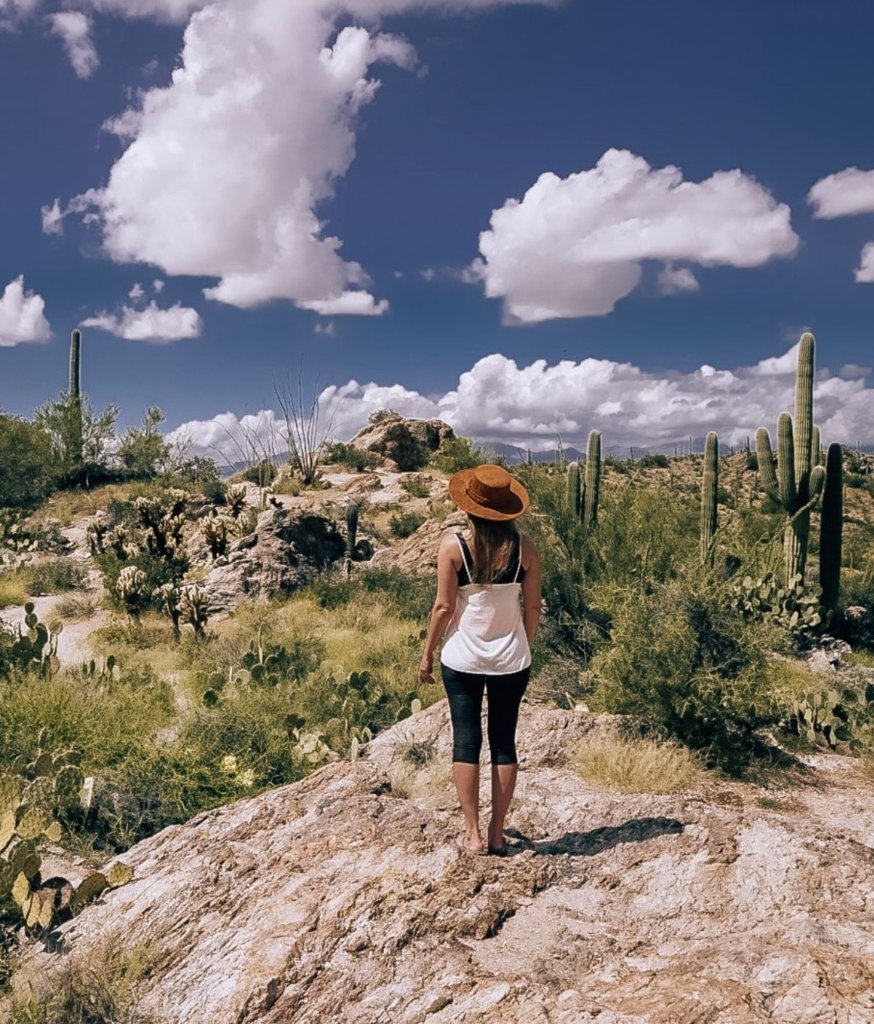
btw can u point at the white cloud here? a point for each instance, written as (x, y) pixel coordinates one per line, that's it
(676, 279)
(499, 400)
(14, 11)
(229, 165)
(53, 219)
(74, 28)
(865, 271)
(150, 323)
(329, 329)
(843, 194)
(575, 246)
(22, 315)
(157, 286)
(136, 293)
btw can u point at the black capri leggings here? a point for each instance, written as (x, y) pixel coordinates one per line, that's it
(465, 693)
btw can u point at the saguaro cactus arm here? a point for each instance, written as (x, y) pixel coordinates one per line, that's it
(765, 458)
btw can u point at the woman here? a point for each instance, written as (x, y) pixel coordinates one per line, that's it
(489, 632)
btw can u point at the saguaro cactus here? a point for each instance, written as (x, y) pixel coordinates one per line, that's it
(76, 455)
(831, 528)
(798, 481)
(592, 489)
(573, 488)
(709, 490)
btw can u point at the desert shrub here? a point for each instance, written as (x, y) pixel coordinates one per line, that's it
(56, 576)
(262, 473)
(27, 468)
(100, 987)
(75, 429)
(142, 451)
(76, 606)
(417, 486)
(682, 659)
(457, 453)
(408, 595)
(380, 415)
(403, 524)
(653, 459)
(347, 455)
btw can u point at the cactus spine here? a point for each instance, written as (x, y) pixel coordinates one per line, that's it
(798, 481)
(76, 453)
(709, 490)
(593, 479)
(831, 527)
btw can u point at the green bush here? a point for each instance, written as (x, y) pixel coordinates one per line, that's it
(142, 451)
(680, 657)
(403, 524)
(653, 459)
(410, 596)
(457, 453)
(57, 576)
(347, 455)
(262, 474)
(417, 486)
(27, 468)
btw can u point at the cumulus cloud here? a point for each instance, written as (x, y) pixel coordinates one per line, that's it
(74, 28)
(499, 400)
(22, 315)
(150, 323)
(229, 166)
(843, 194)
(676, 279)
(136, 294)
(574, 246)
(864, 273)
(14, 11)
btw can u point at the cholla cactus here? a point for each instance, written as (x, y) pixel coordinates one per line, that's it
(96, 534)
(235, 499)
(132, 589)
(194, 608)
(169, 596)
(247, 522)
(121, 542)
(216, 530)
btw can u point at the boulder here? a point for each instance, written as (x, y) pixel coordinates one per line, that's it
(343, 897)
(286, 550)
(407, 443)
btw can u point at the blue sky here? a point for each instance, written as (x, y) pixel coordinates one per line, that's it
(623, 294)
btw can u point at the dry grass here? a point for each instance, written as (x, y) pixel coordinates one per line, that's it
(68, 506)
(77, 606)
(14, 587)
(100, 987)
(863, 658)
(636, 764)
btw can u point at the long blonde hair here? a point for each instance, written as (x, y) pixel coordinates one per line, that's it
(494, 542)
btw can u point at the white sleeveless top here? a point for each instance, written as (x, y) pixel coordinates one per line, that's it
(487, 635)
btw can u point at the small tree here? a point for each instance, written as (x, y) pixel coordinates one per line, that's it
(143, 452)
(62, 420)
(27, 472)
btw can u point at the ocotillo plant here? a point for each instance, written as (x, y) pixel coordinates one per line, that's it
(76, 402)
(798, 481)
(831, 527)
(709, 490)
(592, 488)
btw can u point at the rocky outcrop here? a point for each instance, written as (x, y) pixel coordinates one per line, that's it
(286, 550)
(418, 552)
(342, 898)
(405, 443)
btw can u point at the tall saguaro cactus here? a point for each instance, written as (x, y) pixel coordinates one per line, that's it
(592, 489)
(573, 488)
(831, 527)
(75, 395)
(798, 480)
(709, 491)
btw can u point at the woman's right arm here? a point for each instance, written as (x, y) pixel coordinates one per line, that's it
(532, 601)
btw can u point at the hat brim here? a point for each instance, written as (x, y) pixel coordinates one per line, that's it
(516, 506)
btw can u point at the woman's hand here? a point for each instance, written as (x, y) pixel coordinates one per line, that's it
(426, 669)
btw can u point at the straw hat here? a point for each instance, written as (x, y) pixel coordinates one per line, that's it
(489, 492)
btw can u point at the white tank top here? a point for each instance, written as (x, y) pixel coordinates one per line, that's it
(487, 635)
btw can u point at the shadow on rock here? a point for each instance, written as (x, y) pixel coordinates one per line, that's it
(587, 844)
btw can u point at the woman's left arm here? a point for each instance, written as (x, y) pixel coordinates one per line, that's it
(444, 606)
(532, 602)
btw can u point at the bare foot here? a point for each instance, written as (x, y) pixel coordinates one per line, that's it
(495, 838)
(470, 844)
